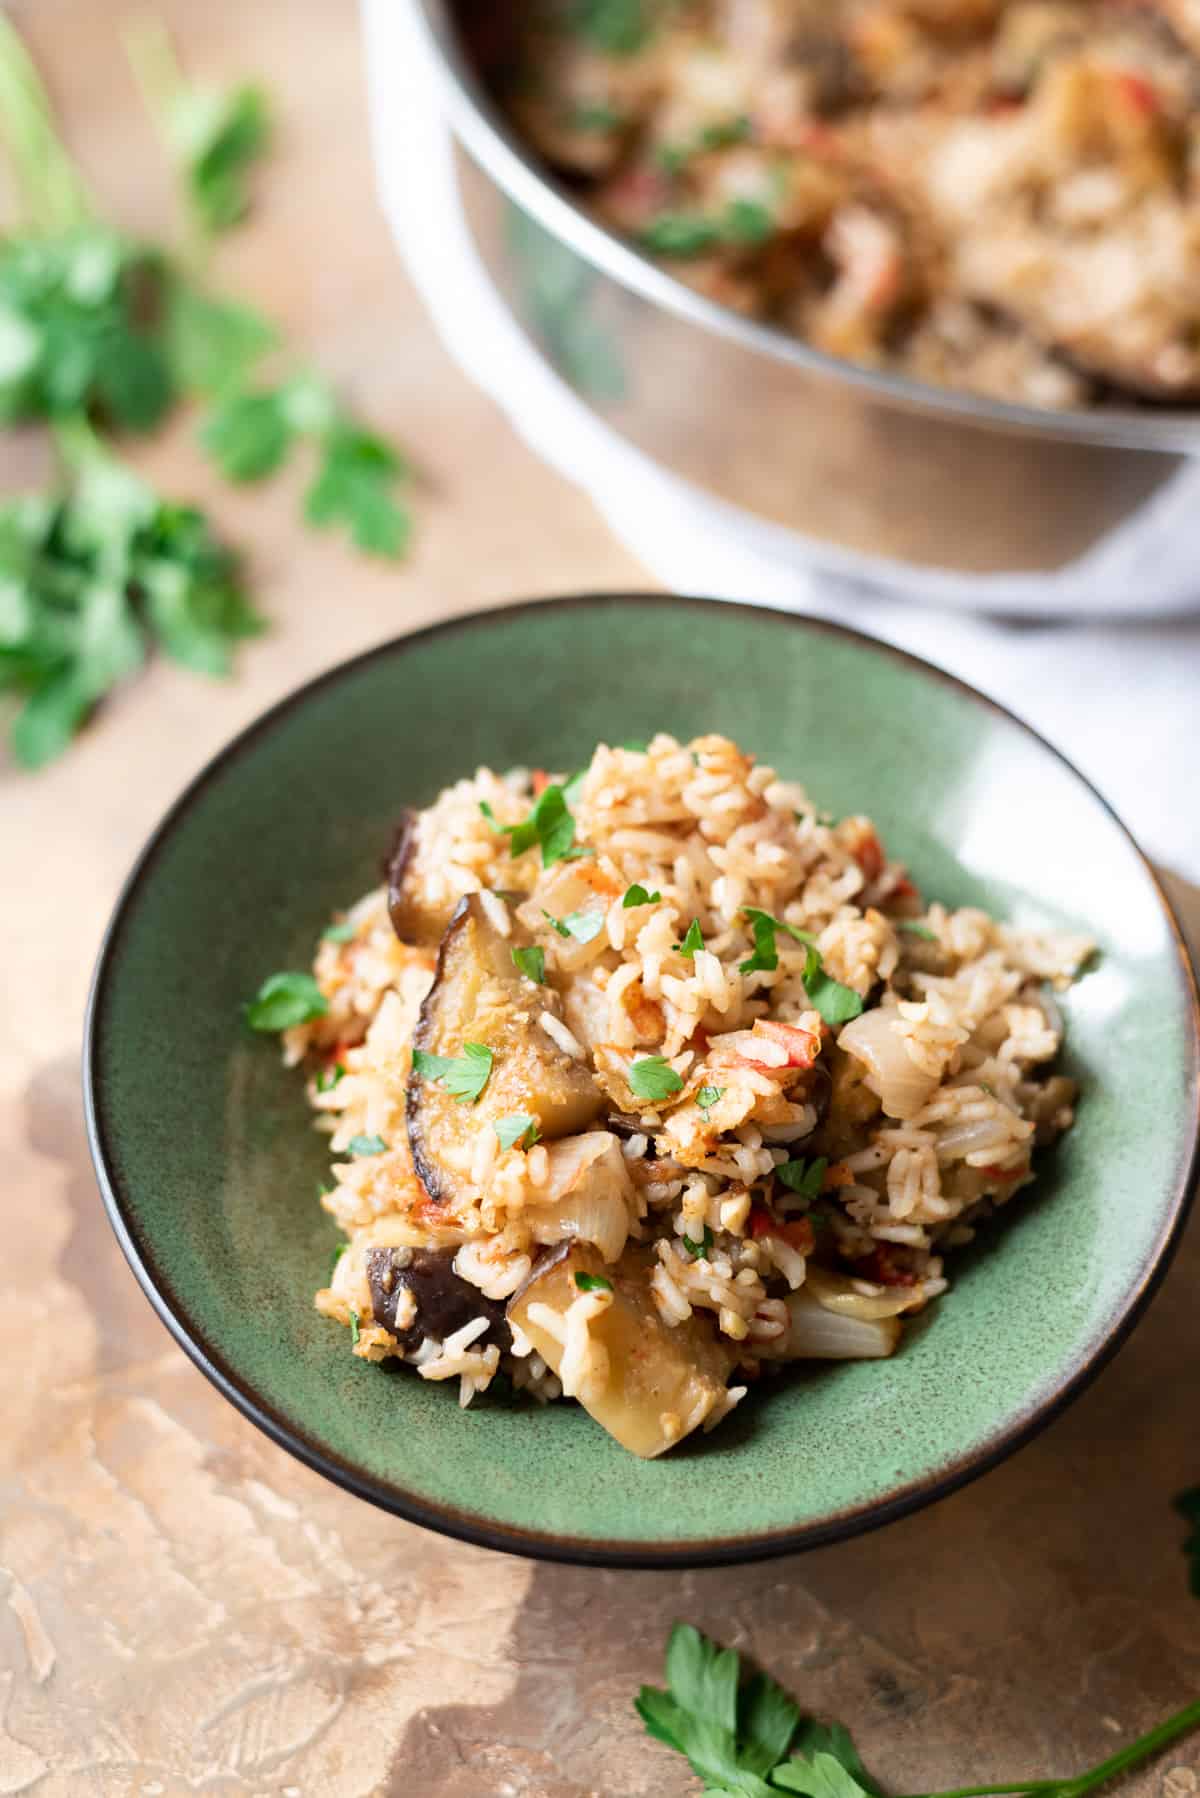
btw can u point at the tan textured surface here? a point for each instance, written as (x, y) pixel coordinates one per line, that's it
(183, 1609)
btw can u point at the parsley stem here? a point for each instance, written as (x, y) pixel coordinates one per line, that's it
(1168, 1731)
(161, 82)
(52, 189)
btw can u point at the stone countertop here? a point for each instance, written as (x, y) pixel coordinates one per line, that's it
(183, 1608)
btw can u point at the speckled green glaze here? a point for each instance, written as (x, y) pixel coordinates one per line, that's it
(211, 1170)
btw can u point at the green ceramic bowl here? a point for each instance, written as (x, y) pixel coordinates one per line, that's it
(209, 1168)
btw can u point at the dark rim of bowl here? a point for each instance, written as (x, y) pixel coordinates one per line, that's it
(588, 1551)
(503, 157)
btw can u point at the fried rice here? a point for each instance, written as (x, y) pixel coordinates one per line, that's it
(700, 1086)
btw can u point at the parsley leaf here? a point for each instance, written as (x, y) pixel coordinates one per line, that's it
(249, 433)
(214, 341)
(818, 1775)
(692, 941)
(699, 1251)
(354, 1326)
(532, 963)
(617, 27)
(520, 1130)
(338, 933)
(328, 1078)
(1188, 1506)
(637, 895)
(336, 1257)
(285, 1000)
(653, 1078)
(355, 486)
(764, 926)
(914, 929)
(214, 135)
(593, 1283)
(555, 923)
(744, 224)
(834, 1739)
(803, 1177)
(707, 1097)
(464, 1076)
(584, 926)
(366, 1145)
(549, 825)
(836, 1003)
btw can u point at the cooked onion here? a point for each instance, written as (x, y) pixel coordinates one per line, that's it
(836, 1293)
(587, 1195)
(817, 1334)
(891, 1071)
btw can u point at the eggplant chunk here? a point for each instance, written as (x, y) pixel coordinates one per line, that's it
(480, 996)
(657, 1381)
(414, 918)
(443, 1301)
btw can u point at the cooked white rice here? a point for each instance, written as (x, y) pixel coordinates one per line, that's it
(925, 1110)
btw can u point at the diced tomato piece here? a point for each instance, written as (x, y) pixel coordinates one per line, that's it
(904, 889)
(1137, 92)
(836, 1174)
(803, 1046)
(880, 1267)
(868, 853)
(799, 1233)
(1006, 1174)
(761, 1221)
(541, 780)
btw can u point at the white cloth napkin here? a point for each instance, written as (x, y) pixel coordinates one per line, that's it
(1121, 698)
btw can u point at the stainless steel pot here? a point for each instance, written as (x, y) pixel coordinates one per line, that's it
(852, 458)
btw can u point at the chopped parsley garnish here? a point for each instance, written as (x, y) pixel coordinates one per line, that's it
(914, 929)
(594, 115)
(328, 1078)
(634, 745)
(683, 234)
(285, 1000)
(463, 1076)
(804, 1177)
(836, 1003)
(338, 933)
(519, 1131)
(699, 1251)
(637, 895)
(532, 963)
(555, 923)
(549, 827)
(1188, 1507)
(366, 1145)
(692, 941)
(593, 1283)
(707, 1097)
(354, 1327)
(654, 1078)
(617, 27)
(717, 136)
(764, 926)
(584, 926)
(336, 1257)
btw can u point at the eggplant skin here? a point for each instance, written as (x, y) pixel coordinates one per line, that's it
(414, 921)
(478, 995)
(444, 1300)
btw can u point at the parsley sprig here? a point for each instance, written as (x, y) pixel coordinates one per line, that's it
(745, 1738)
(549, 827)
(102, 334)
(463, 1076)
(836, 1003)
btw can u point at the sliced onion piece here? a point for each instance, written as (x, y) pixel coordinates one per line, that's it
(902, 1086)
(588, 1196)
(836, 1293)
(817, 1334)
